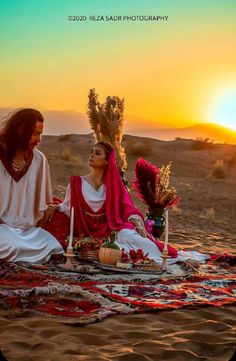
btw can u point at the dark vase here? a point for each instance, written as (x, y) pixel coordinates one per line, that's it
(155, 221)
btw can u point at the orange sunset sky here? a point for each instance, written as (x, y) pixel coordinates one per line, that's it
(176, 72)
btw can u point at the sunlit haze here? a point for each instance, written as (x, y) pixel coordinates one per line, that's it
(169, 72)
(223, 109)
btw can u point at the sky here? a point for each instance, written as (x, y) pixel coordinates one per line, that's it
(177, 72)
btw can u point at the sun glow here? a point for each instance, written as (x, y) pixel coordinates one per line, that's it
(223, 109)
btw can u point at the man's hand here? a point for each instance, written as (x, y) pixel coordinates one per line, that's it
(48, 214)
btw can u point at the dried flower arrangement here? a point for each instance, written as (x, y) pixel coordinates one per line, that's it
(107, 121)
(152, 185)
(87, 242)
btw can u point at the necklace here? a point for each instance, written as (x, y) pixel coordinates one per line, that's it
(18, 166)
(95, 186)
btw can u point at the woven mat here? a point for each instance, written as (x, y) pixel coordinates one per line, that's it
(82, 298)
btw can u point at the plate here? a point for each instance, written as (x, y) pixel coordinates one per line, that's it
(147, 266)
(107, 267)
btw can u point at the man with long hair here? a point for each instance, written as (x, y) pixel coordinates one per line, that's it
(25, 191)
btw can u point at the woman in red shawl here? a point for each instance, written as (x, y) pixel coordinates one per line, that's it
(101, 203)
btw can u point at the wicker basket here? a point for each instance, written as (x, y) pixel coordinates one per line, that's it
(89, 255)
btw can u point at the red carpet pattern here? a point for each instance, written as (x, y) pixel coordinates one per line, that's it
(84, 299)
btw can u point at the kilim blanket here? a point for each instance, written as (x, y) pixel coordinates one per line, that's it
(84, 298)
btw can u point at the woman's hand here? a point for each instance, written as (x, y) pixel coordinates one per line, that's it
(142, 231)
(139, 226)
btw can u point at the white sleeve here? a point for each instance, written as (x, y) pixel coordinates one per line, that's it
(65, 205)
(136, 216)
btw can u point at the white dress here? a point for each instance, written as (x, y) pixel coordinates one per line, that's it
(21, 206)
(126, 238)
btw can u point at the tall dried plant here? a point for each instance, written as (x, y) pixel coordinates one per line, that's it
(106, 121)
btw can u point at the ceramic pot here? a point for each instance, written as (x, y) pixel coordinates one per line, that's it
(155, 221)
(109, 255)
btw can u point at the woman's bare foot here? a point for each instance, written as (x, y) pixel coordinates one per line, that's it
(57, 258)
(193, 262)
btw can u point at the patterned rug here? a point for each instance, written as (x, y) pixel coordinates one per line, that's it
(84, 298)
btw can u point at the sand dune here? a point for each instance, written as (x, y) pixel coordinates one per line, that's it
(206, 334)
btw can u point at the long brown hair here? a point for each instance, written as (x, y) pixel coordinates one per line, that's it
(107, 148)
(18, 128)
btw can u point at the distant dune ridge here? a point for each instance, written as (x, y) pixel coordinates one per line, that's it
(214, 132)
(73, 122)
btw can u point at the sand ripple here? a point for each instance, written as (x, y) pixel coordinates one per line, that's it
(205, 334)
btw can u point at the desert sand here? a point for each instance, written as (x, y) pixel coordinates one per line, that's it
(205, 220)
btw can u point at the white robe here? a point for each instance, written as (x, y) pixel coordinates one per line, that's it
(126, 238)
(21, 206)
